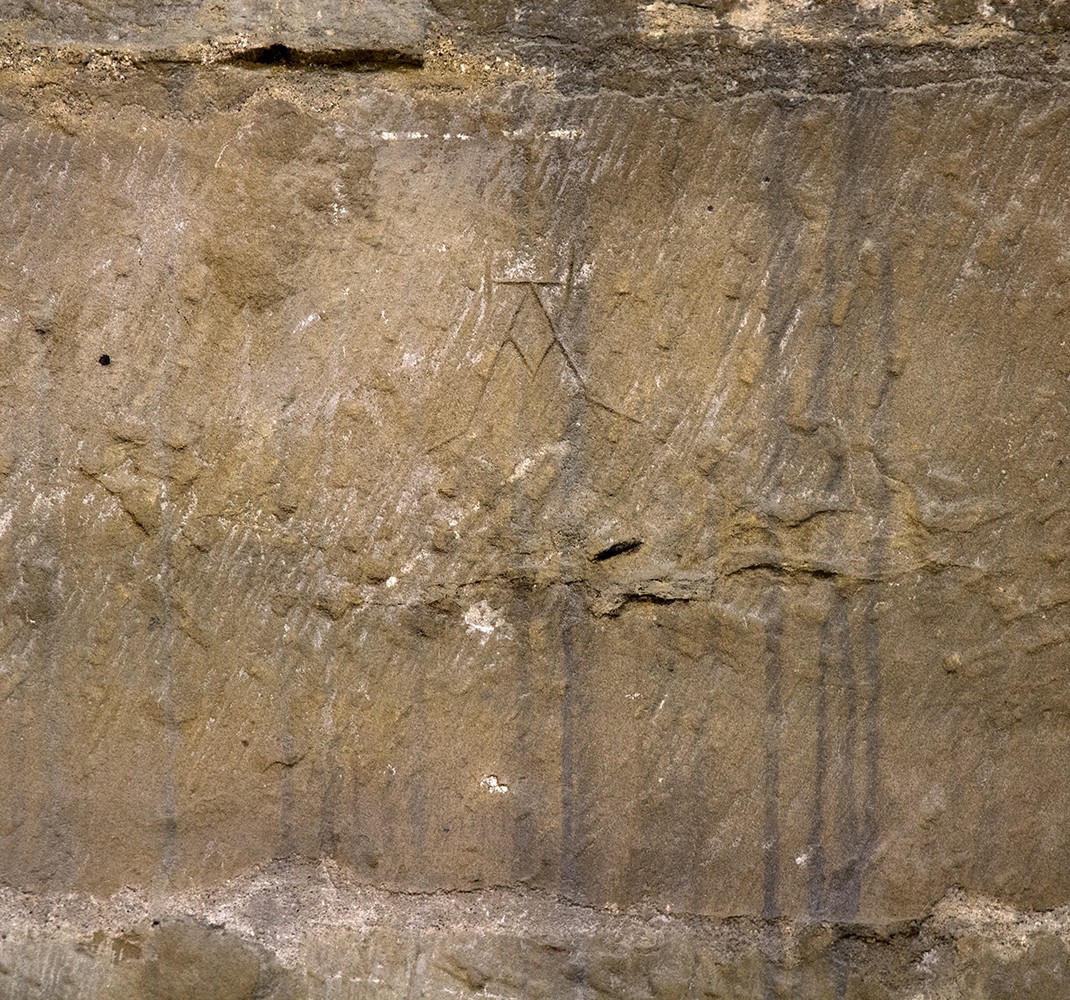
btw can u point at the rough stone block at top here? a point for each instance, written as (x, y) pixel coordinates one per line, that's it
(325, 31)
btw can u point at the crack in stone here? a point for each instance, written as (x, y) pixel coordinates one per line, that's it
(279, 54)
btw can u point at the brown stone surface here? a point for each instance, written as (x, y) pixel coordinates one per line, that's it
(609, 463)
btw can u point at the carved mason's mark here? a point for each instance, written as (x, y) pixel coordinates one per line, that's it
(529, 299)
(536, 287)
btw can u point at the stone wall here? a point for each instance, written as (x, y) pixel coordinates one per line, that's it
(531, 500)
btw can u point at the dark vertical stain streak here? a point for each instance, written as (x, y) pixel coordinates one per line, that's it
(858, 834)
(773, 614)
(872, 732)
(769, 475)
(841, 969)
(525, 829)
(328, 832)
(286, 790)
(870, 651)
(846, 887)
(844, 823)
(567, 326)
(527, 858)
(570, 882)
(816, 902)
(418, 791)
(55, 736)
(15, 749)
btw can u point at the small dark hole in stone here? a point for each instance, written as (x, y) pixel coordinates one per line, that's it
(156, 923)
(244, 743)
(617, 549)
(765, 180)
(273, 55)
(709, 208)
(105, 359)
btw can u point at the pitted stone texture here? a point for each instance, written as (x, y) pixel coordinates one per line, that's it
(291, 931)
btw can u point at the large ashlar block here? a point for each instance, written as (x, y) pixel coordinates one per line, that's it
(639, 508)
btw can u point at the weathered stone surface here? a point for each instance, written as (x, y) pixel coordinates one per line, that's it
(329, 31)
(246, 938)
(613, 472)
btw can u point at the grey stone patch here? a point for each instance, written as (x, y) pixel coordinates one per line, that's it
(332, 32)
